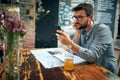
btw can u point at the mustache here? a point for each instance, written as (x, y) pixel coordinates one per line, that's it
(77, 23)
(82, 26)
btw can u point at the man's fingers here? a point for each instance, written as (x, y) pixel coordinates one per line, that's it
(59, 36)
(61, 32)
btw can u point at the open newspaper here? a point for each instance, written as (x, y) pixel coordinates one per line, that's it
(53, 57)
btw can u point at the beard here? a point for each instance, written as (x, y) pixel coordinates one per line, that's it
(84, 26)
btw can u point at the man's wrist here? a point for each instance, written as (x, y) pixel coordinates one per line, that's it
(70, 45)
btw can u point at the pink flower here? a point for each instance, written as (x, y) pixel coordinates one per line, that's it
(12, 23)
(1, 17)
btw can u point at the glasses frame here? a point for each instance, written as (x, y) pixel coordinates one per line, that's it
(78, 17)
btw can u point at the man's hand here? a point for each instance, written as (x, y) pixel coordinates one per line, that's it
(76, 26)
(77, 32)
(63, 37)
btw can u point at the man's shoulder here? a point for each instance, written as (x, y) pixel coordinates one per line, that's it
(101, 26)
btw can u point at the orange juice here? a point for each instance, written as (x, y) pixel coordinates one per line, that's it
(68, 64)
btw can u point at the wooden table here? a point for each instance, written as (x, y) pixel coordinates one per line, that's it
(31, 69)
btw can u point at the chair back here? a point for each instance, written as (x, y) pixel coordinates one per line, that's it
(118, 59)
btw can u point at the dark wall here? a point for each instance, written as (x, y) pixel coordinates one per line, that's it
(119, 26)
(118, 35)
(105, 12)
(46, 26)
(5, 1)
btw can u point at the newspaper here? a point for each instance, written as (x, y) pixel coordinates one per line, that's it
(53, 57)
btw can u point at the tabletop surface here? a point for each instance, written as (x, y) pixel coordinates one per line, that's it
(31, 69)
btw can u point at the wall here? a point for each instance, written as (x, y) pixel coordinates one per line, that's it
(47, 25)
(29, 39)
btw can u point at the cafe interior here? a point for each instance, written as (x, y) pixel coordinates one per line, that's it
(27, 35)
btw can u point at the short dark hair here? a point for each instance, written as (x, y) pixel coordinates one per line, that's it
(84, 6)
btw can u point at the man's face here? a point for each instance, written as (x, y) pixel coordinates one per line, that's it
(80, 19)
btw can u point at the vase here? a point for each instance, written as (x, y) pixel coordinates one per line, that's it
(12, 57)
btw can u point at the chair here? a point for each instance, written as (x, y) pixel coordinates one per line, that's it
(1, 54)
(118, 60)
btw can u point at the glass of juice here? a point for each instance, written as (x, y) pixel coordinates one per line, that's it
(68, 64)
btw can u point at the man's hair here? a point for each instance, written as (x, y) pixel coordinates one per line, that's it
(84, 6)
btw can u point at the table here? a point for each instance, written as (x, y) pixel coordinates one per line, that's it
(31, 69)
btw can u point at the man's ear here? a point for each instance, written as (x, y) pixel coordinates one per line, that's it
(91, 17)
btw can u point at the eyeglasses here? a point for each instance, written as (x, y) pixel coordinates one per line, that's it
(78, 17)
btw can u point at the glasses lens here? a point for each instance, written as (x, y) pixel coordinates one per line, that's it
(73, 17)
(77, 17)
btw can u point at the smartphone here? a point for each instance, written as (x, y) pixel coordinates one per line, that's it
(59, 28)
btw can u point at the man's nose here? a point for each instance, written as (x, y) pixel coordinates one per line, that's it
(76, 20)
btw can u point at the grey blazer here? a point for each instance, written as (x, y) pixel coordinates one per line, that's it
(98, 47)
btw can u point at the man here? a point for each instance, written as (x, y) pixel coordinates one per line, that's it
(92, 42)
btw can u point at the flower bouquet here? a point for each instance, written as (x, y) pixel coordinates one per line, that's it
(11, 29)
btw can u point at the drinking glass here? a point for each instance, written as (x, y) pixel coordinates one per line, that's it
(68, 64)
